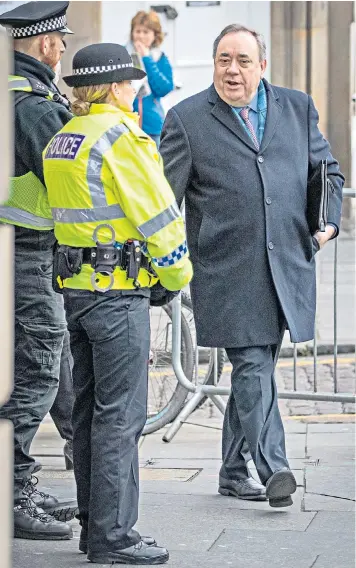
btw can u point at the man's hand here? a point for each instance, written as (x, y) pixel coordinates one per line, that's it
(324, 237)
(141, 49)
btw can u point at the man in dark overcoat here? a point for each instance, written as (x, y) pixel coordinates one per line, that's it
(241, 153)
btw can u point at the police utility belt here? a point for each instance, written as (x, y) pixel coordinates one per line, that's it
(103, 258)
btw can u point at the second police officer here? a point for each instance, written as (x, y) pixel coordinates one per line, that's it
(120, 233)
(37, 30)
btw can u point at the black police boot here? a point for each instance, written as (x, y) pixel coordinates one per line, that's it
(33, 523)
(140, 553)
(83, 539)
(60, 510)
(68, 454)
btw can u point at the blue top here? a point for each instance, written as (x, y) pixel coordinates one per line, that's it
(160, 79)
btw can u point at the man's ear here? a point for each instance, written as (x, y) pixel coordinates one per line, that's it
(44, 44)
(263, 67)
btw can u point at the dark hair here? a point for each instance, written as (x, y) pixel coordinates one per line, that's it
(235, 28)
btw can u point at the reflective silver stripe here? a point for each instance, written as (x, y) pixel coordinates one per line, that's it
(95, 163)
(106, 213)
(101, 211)
(24, 217)
(161, 220)
(19, 84)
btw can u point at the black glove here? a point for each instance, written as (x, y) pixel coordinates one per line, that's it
(161, 296)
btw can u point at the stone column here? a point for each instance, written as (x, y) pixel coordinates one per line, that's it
(6, 316)
(289, 44)
(318, 60)
(339, 131)
(311, 51)
(298, 38)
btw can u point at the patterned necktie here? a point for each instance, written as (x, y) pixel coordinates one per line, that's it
(244, 115)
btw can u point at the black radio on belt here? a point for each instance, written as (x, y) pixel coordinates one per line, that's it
(131, 259)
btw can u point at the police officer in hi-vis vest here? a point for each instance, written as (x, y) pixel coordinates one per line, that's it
(37, 29)
(120, 233)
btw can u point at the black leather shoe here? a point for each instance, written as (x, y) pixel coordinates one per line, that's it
(83, 540)
(60, 510)
(33, 523)
(68, 454)
(140, 553)
(248, 489)
(279, 488)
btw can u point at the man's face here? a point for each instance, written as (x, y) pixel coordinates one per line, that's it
(237, 68)
(52, 47)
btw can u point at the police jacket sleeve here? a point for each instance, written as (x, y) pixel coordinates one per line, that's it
(40, 130)
(319, 149)
(149, 203)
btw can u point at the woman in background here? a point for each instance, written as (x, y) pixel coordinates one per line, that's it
(146, 39)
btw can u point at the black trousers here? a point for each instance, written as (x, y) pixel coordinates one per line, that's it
(110, 336)
(62, 408)
(252, 414)
(39, 332)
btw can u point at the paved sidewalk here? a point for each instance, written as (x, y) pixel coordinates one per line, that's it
(181, 508)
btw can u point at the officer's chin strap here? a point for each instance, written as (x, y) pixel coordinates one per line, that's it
(104, 269)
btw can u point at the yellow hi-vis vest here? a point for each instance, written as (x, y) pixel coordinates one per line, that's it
(28, 204)
(103, 169)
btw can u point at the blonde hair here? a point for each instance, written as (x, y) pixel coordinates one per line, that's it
(85, 96)
(151, 21)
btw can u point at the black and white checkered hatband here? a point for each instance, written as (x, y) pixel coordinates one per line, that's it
(98, 69)
(51, 25)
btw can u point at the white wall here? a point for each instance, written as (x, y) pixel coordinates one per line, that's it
(190, 36)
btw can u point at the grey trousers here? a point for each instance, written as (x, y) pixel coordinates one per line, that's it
(39, 331)
(252, 415)
(110, 336)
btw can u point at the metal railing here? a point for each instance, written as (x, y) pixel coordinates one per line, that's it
(336, 396)
(215, 391)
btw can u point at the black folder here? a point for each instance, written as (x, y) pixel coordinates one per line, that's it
(318, 190)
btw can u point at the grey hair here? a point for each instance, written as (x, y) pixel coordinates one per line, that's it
(235, 28)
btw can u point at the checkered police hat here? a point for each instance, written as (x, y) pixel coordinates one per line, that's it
(35, 18)
(102, 63)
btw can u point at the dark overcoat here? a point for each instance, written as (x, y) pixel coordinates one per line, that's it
(246, 214)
